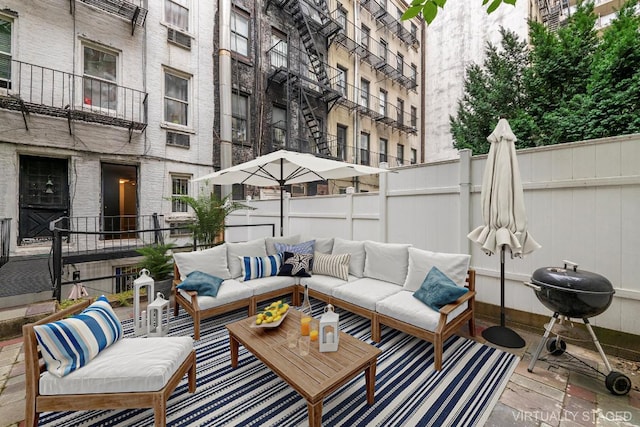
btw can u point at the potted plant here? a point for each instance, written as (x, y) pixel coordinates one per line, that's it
(210, 215)
(160, 265)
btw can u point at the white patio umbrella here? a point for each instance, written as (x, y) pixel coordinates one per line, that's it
(505, 219)
(287, 167)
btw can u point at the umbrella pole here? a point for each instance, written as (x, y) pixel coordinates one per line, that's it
(501, 335)
(281, 210)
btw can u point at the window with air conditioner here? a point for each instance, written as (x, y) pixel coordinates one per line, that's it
(99, 81)
(179, 187)
(178, 38)
(5, 53)
(178, 139)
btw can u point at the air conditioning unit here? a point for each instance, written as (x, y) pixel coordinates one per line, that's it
(178, 38)
(178, 139)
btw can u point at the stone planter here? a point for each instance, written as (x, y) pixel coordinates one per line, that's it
(164, 287)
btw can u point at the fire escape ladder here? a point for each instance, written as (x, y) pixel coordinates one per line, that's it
(313, 125)
(306, 35)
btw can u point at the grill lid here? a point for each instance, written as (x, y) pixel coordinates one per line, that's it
(572, 279)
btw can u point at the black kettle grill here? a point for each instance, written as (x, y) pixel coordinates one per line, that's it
(575, 294)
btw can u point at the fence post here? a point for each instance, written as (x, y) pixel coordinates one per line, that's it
(465, 200)
(382, 196)
(349, 208)
(57, 264)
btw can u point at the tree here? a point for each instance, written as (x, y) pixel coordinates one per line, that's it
(491, 91)
(429, 8)
(556, 81)
(614, 86)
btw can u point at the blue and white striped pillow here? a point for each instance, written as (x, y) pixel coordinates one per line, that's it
(256, 267)
(69, 344)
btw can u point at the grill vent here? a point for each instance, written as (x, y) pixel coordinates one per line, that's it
(178, 38)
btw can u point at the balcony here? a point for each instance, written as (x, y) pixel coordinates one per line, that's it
(45, 91)
(121, 8)
(384, 18)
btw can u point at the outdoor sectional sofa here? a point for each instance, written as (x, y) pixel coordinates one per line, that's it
(375, 280)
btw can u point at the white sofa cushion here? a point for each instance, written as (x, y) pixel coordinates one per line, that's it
(405, 307)
(356, 249)
(268, 284)
(235, 250)
(287, 240)
(386, 261)
(455, 266)
(129, 365)
(212, 261)
(324, 284)
(230, 291)
(323, 244)
(365, 292)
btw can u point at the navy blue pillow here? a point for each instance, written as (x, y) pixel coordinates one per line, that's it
(202, 283)
(294, 264)
(438, 290)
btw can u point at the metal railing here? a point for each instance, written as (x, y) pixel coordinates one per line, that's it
(5, 236)
(57, 93)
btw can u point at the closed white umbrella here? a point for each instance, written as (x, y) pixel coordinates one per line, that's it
(504, 217)
(287, 167)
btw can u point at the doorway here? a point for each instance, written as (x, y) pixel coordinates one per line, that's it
(43, 196)
(119, 201)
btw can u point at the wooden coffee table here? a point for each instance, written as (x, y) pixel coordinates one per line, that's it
(314, 376)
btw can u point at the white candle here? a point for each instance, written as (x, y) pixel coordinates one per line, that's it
(143, 319)
(329, 337)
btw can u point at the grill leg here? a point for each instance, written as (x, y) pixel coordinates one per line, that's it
(597, 344)
(543, 342)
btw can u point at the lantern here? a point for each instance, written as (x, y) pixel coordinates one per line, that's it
(158, 317)
(140, 317)
(329, 332)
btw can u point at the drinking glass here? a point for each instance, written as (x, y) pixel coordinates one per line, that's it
(303, 345)
(292, 339)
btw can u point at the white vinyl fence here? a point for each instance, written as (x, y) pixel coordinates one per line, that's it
(582, 201)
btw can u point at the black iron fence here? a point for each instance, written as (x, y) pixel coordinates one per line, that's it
(5, 236)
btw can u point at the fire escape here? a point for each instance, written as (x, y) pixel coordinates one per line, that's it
(309, 21)
(33, 89)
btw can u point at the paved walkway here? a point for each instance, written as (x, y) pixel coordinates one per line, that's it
(550, 396)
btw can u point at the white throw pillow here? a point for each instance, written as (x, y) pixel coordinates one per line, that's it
(455, 266)
(386, 261)
(251, 248)
(212, 261)
(323, 245)
(288, 240)
(356, 249)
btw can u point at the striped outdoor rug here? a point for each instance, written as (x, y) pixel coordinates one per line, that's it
(408, 390)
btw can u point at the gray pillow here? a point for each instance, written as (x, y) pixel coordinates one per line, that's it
(288, 240)
(323, 245)
(252, 248)
(386, 261)
(356, 249)
(212, 261)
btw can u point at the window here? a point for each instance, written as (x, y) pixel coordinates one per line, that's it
(383, 49)
(179, 229)
(400, 111)
(178, 139)
(414, 156)
(341, 149)
(414, 117)
(383, 150)
(5, 54)
(364, 148)
(176, 99)
(342, 19)
(342, 81)
(179, 187)
(279, 49)
(364, 93)
(414, 74)
(383, 102)
(364, 37)
(400, 154)
(279, 127)
(239, 33)
(176, 13)
(400, 63)
(99, 88)
(240, 117)
(414, 31)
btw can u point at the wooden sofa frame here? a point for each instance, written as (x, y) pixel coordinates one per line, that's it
(443, 331)
(37, 403)
(192, 308)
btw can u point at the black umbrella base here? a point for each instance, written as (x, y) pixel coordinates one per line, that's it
(503, 336)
